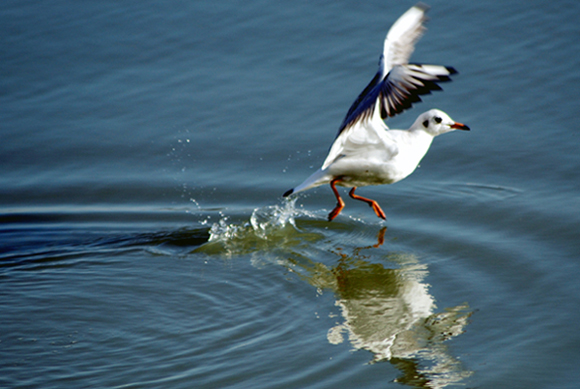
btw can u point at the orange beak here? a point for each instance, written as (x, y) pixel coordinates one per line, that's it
(460, 126)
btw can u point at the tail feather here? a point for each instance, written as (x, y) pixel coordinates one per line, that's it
(320, 177)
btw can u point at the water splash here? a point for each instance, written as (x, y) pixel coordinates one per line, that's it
(268, 228)
(263, 221)
(266, 219)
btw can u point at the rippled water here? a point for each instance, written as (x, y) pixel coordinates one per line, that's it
(144, 241)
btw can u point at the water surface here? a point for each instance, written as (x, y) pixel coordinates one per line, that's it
(144, 241)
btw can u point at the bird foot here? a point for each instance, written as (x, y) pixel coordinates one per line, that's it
(334, 213)
(377, 208)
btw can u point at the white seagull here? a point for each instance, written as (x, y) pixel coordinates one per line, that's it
(365, 152)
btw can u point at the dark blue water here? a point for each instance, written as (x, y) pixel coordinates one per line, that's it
(144, 242)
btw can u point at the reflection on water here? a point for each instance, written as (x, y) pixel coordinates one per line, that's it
(389, 312)
(384, 301)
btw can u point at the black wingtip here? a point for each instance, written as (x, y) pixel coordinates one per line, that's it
(422, 6)
(288, 192)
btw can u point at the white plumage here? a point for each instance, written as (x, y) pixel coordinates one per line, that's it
(365, 152)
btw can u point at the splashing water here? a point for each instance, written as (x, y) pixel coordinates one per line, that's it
(263, 221)
(269, 228)
(273, 217)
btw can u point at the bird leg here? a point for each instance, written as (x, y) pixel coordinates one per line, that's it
(376, 207)
(334, 213)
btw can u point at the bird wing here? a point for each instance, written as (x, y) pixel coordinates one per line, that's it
(367, 139)
(402, 37)
(397, 84)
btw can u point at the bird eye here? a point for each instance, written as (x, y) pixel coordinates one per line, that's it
(437, 119)
(426, 123)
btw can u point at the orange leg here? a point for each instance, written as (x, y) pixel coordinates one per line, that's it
(376, 207)
(334, 213)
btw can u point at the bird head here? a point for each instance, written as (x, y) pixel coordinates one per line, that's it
(436, 122)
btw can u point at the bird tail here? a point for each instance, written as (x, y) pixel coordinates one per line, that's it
(320, 177)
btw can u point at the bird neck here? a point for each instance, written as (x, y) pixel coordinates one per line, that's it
(419, 142)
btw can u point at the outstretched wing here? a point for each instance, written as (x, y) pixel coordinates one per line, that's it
(402, 37)
(398, 84)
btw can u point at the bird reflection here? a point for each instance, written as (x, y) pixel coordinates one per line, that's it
(389, 312)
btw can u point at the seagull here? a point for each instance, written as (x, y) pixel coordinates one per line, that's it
(365, 152)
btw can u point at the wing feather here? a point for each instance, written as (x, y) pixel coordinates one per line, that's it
(395, 87)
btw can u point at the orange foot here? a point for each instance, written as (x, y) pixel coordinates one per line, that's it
(372, 203)
(334, 213)
(377, 208)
